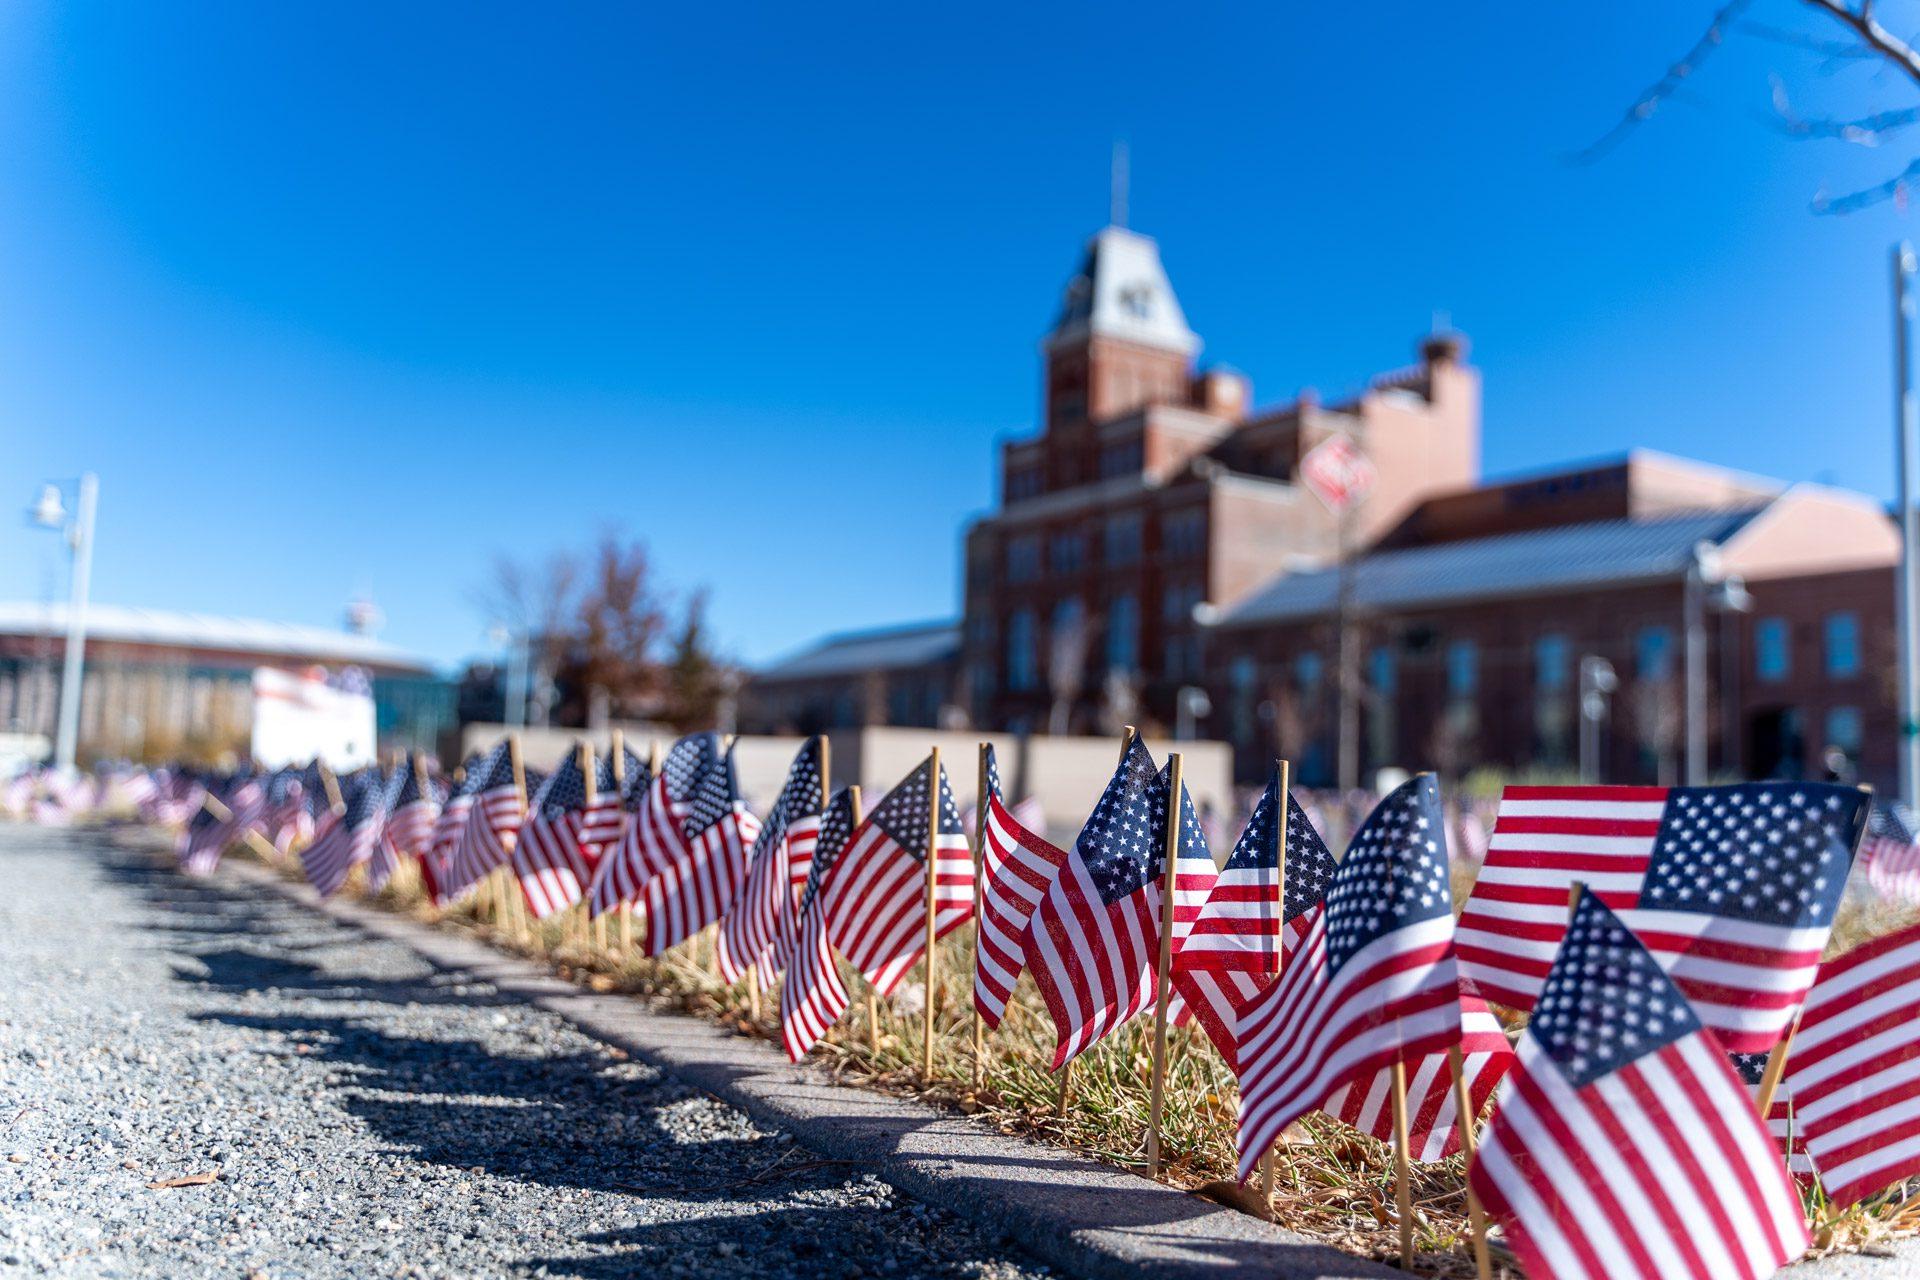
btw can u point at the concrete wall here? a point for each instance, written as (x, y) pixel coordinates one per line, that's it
(1067, 774)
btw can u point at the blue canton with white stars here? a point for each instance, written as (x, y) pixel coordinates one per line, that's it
(1770, 852)
(993, 776)
(713, 797)
(1123, 835)
(1193, 837)
(1606, 1002)
(1310, 864)
(687, 762)
(804, 791)
(1394, 874)
(902, 814)
(1258, 847)
(564, 792)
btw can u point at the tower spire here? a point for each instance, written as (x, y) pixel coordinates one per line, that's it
(1117, 185)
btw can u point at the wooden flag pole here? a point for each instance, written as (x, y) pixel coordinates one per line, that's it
(1164, 969)
(979, 890)
(421, 781)
(619, 745)
(1402, 1182)
(933, 860)
(589, 790)
(1285, 768)
(515, 908)
(1463, 1118)
(332, 784)
(221, 813)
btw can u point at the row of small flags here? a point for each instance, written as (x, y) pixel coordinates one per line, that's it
(1666, 944)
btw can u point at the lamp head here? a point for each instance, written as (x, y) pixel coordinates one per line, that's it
(50, 512)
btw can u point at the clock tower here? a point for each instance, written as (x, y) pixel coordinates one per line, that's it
(1121, 340)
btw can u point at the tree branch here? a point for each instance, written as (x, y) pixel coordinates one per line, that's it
(1891, 48)
(1873, 195)
(1867, 131)
(1669, 84)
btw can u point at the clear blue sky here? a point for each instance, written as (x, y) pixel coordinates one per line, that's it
(343, 298)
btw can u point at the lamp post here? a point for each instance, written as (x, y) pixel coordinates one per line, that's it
(513, 692)
(1903, 450)
(1597, 683)
(50, 513)
(1707, 587)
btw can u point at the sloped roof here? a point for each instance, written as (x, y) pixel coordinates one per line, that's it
(886, 649)
(162, 627)
(1122, 291)
(1568, 556)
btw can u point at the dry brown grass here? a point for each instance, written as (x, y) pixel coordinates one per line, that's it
(1332, 1183)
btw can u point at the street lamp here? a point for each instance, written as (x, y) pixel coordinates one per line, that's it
(514, 692)
(50, 512)
(1191, 706)
(1597, 683)
(1707, 586)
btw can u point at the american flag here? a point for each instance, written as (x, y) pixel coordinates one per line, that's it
(1093, 943)
(1740, 895)
(436, 868)
(761, 912)
(1544, 839)
(246, 800)
(412, 811)
(1854, 1073)
(653, 840)
(548, 859)
(1234, 948)
(344, 840)
(1373, 981)
(1432, 1116)
(814, 997)
(697, 887)
(1890, 855)
(287, 819)
(1752, 1070)
(1017, 868)
(199, 845)
(1623, 1144)
(603, 820)
(493, 817)
(876, 901)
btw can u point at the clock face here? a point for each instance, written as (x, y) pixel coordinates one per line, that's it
(1137, 300)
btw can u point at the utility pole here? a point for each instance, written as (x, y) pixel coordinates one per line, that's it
(1347, 661)
(1904, 446)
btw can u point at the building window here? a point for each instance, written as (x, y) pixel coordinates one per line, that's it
(1179, 600)
(1024, 484)
(1121, 459)
(1772, 649)
(1023, 558)
(1653, 653)
(1020, 660)
(1069, 553)
(1184, 533)
(1463, 670)
(1244, 676)
(1121, 541)
(1843, 645)
(1844, 732)
(1307, 670)
(1552, 663)
(1382, 674)
(1067, 643)
(1123, 633)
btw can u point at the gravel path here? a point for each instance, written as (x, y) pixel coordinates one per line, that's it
(364, 1115)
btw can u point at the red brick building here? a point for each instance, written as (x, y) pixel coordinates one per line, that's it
(1154, 488)
(1153, 542)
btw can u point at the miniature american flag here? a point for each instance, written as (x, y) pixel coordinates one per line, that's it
(1890, 855)
(548, 859)
(1093, 943)
(1233, 950)
(1623, 1144)
(494, 816)
(1854, 1072)
(345, 839)
(437, 866)
(814, 997)
(1544, 839)
(1740, 895)
(287, 819)
(1432, 1116)
(875, 901)
(698, 885)
(760, 912)
(199, 846)
(1373, 981)
(412, 811)
(1017, 868)
(653, 840)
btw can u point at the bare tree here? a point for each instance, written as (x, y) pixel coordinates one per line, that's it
(536, 603)
(620, 623)
(1841, 35)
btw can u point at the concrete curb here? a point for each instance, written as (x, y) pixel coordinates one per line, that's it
(1086, 1218)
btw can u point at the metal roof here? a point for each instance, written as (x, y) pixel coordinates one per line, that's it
(161, 627)
(888, 649)
(1122, 292)
(1568, 556)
